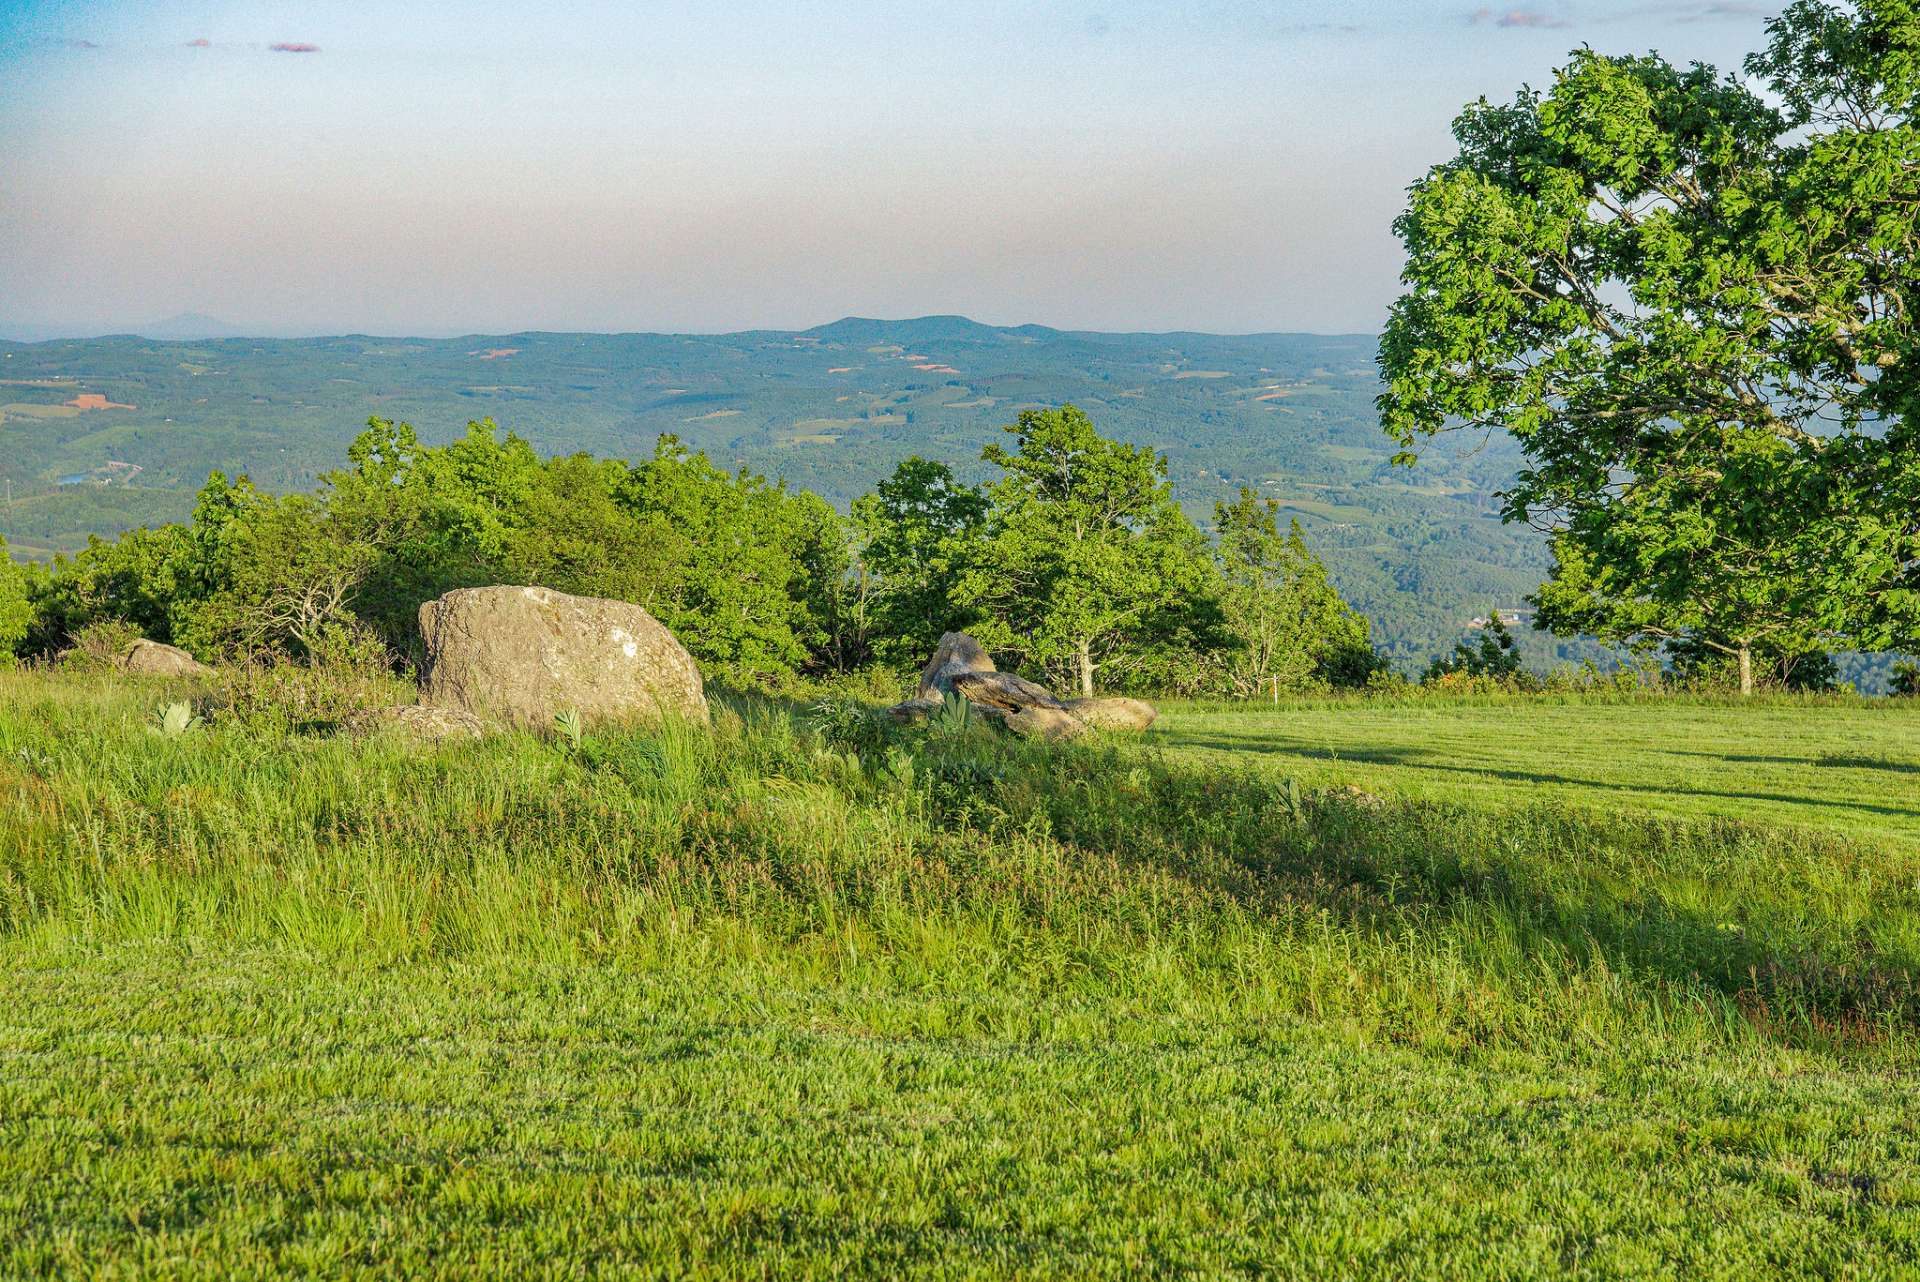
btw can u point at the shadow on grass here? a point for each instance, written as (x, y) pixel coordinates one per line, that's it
(1414, 758)
(1569, 886)
(1830, 761)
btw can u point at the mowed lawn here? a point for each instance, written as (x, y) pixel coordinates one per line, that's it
(1852, 768)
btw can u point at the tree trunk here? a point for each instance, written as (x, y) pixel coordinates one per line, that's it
(1086, 669)
(1746, 670)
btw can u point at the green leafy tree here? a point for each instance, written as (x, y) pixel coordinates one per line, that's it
(1279, 605)
(1695, 311)
(834, 585)
(1087, 561)
(728, 561)
(1491, 656)
(17, 610)
(128, 580)
(258, 573)
(920, 529)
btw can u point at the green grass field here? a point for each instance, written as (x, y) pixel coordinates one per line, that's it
(1847, 766)
(729, 1004)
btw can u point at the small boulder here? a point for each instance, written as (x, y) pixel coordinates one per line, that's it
(1051, 725)
(417, 721)
(958, 653)
(1004, 690)
(1114, 713)
(914, 711)
(146, 658)
(521, 655)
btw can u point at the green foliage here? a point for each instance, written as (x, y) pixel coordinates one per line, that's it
(567, 723)
(130, 581)
(272, 695)
(954, 719)
(1906, 679)
(1294, 631)
(1694, 311)
(921, 530)
(99, 646)
(854, 728)
(1417, 558)
(172, 720)
(17, 609)
(1491, 657)
(1693, 663)
(1078, 554)
(1087, 562)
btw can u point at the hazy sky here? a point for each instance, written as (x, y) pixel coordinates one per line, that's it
(495, 165)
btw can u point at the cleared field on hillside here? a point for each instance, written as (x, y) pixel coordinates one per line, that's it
(1851, 768)
(730, 1003)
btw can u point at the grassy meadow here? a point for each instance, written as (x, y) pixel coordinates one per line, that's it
(679, 1003)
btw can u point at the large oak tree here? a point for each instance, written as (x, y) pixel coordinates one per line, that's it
(1693, 303)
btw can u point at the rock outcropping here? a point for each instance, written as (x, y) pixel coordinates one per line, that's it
(521, 655)
(957, 655)
(146, 658)
(961, 667)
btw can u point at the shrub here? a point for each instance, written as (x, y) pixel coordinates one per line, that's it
(98, 647)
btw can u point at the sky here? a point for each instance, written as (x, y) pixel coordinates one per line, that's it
(490, 166)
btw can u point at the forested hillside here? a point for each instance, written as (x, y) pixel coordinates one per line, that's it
(103, 434)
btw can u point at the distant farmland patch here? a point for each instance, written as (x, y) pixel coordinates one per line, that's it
(1203, 373)
(496, 353)
(95, 401)
(21, 409)
(701, 418)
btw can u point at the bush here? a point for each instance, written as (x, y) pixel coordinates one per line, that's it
(99, 647)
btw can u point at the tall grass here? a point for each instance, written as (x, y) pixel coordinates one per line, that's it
(1104, 878)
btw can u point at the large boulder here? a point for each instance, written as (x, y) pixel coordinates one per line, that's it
(1114, 713)
(521, 655)
(958, 653)
(1004, 690)
(146, 658)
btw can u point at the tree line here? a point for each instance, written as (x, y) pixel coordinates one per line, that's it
(1075, 563)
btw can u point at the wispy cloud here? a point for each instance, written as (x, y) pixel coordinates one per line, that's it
(1720, 10)
(1518, 19)
(293, 46)
(200, 42)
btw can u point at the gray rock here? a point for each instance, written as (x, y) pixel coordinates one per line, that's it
(1114, 713)
(958, 653)
(913, 711)
(1053, 725)
(417, 721)
(152, 659)
(521, 655)
(1004, 690)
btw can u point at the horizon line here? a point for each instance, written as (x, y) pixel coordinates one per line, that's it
(53, 333)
